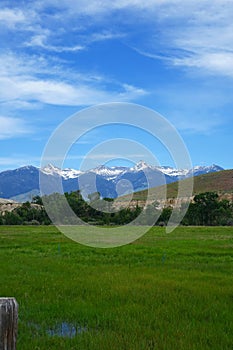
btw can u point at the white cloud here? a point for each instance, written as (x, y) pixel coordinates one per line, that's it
(216, 62)
(163, 8)
(194, 35)
(61, 93)
(190, 34)
(40, 40)
(186, 33)
(38, 29)
(11, 17)
(13, 127)
(44, 38)
(25, 83)
(97, 7)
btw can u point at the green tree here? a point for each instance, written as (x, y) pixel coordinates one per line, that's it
(11, 218)
(207, 209)
(37, 200)
(206, 206)
(165, 216)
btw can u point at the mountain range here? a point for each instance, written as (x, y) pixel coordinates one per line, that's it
(23, 183)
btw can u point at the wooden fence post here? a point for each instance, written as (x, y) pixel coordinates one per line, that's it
(8, 323)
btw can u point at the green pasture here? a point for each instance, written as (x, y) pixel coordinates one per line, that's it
(164, 291)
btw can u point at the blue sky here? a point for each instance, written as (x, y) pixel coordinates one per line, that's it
(58, 57)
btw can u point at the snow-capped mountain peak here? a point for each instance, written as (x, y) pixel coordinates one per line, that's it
(167, 170)
(50, 168)
(25, 180)
(111, 173)
(203, 169)
(140, 166)
(66, 173)
(106, 171)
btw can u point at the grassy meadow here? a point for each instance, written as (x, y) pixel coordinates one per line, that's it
(164, 291)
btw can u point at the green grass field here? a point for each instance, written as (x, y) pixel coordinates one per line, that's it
(164, 291)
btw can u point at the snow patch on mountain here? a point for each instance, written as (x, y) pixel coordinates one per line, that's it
(140, 166)
(111, 173)
(66, 173)
(23, 183)
(199, 170)
(173, 171)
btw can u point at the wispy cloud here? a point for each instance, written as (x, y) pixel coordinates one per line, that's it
(45, 79)
(198, 35)
(11, 17)
(40, 40)
(24, 83)
(191, 34)
(45, 39)
(56, 92)
(13, 127)
(214, 63)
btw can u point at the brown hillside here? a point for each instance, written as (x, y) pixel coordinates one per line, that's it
(220, 182)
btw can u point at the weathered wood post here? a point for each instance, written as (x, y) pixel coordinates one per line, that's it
(8, 323)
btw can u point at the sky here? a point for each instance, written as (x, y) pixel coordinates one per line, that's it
(59, 57)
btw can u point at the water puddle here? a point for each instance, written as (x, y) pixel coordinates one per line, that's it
(64, 329)
(67, 330)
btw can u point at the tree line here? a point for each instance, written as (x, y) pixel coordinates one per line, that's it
(206, 209)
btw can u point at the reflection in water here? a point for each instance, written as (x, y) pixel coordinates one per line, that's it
(67, 330)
